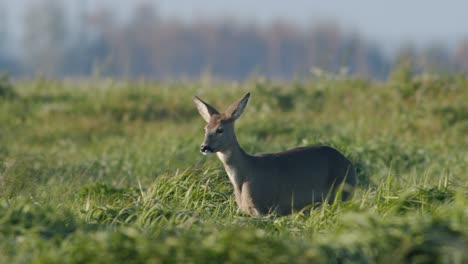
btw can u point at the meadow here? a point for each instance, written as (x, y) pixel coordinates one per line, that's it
(109, 171)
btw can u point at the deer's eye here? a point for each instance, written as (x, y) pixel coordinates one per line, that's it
(219, 130)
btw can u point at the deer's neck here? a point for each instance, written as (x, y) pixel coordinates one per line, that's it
(236, 163)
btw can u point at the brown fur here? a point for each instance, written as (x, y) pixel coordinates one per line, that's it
(279, 182)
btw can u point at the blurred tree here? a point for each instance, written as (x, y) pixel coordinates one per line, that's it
(7, 62)
(238, 51)
(87, 50)
(405, 65)
(279, 38)
(145, 44)
(327, 39)
(407, 56)
(45, 36)
(140, 35)
(362, 58)
(353, 55)
(3, 27)
(435, 59)
(3, 34)
(103, 36)
(461, 57)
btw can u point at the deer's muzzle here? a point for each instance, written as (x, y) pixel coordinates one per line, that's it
(205, 149)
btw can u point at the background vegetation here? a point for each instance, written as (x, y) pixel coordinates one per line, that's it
(109, 171)
(77, 38)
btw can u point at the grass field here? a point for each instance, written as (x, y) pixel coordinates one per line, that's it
(109, 171)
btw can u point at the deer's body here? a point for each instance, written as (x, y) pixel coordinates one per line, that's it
(279, 182)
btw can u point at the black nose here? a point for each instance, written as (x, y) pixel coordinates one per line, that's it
(205, 148)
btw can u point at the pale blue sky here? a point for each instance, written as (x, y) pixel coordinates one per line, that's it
(389, 23)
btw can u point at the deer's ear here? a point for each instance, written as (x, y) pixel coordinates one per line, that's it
(205, 110)
(235, 110)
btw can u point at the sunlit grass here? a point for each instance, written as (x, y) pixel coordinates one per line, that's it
(109, 171)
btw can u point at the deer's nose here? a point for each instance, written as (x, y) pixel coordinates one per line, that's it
(204, 148)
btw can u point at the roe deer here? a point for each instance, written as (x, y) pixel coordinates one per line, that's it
(277, 183)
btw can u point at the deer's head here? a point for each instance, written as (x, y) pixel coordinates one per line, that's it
(219, 130)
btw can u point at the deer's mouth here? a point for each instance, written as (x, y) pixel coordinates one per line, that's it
(205, 150)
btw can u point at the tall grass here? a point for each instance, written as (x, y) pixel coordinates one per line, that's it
(109, 171)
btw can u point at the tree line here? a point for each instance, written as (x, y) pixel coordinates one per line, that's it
(147, 45)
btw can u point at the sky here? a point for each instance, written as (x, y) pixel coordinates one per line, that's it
(388, 23)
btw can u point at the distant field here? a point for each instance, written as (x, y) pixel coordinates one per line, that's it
(109, 171)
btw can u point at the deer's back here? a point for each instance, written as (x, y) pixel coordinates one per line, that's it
(298, 177)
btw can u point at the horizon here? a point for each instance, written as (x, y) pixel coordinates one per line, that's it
(371, 19)
(168, 38)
